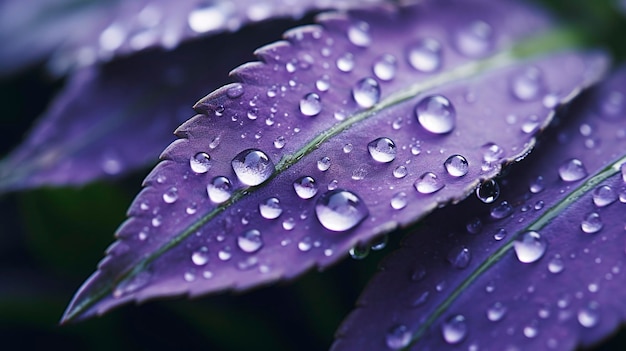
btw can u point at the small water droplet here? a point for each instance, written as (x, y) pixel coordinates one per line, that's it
(530, 247)
(496, 312)
(537, 185)
(359, 252)
(345, 63)
(436, 114)
(500, 234)
(527, 85)
(398, 337)
(604, 195)
(572, 170)
(428, 183)
(382, 150)
(539, 205)
(385, 67)
(556, 265)
(504, 209)
(358, 34)
(289, 223)
(380, 243)
(234, 91)
(200, 162)
(612, 105)
(250, 241)
(347, 148)
(340, 210)
(200, 257)
(474, 226)
(456, 166)
(400, 172)
(425, 56)
(531, 124)
(171, 195)
(488, 191)
(323, 84)
(366, 92)
(399, 201)
(311, 104)
(305, 244)
(492, 152)
(225, 253)
(323, 164)
(592, 223)
(157, 221)
(530, 331)
(305, 187)
(459, 256)
(279, 142)
(475, 40)
(270, 208)
(252, 167)
(589, 316)
(454, 329)
(333, 184)
(219, 189)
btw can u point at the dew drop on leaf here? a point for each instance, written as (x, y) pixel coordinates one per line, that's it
(250, 241)
(496, 311)
(200, 257)
(385, 67)
(537, 185)
(456, 165)
(171, 195)
(311, 104)
(502, 210)
(459, 256)
(500, 234)
(492, 152)
(340, 210)
(428, 183)
(527, 85)
(530, 247)
(425, 56)
(252, 167)
(475, 40)
(323, 84)
(345, 63)
(454, 329)
(219, 189)
(359, 252)
(280, 142)
(398, 337)
(436, 114)
(400, 172)
(589, 316)
(225, 253)
(592, 223)
(235, 91)
(604, 195)
(572, 170)
(323, 164)
(366, 92)
(305, 187)
(382, 150)
(270, 208)
(358, 34)
(488, 191)
(556, 265)
(200, 162)
(399, 201)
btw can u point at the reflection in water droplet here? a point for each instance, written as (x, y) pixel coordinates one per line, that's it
(398, 337)
(502, 210)
(250, 241)
(459, 256)
(456, 166)
(359, 252)
(500, 234)
(454, 329)
(527, 85)
(530, 247)
(323, 164)
(200, 257)
(604, 195)
(171, 195)
(488, 191)
(385, 67)
(592, 223)
(305, 187)
(428, 183)
(270, 208)
(340, 210)
(399, 201)
(572, 170)
(400, 172)
(589, 316)
(219, 189)
(358, 34)
(200, 162)
(311, 104)
(436, 114)
(492, 152)
(252, 167)
(425, 56)
(496, 312)
(345, 63)
(537, 185)
(475, 40)
(382, 150)
(279, 142)
(366, 92)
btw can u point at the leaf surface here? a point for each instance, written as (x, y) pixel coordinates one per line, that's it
(278, 173)
(466, 278)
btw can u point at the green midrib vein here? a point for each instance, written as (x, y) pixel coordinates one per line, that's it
(548, 42)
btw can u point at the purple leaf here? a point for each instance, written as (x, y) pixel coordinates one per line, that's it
(80, 34)
(543, 268)
(320, 148)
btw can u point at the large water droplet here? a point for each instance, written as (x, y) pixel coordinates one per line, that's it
(459, 256)
(527, 85)
(454, 329)
(425, 56)
(428, 183)
(219, 189)
(399, 201)
(589, 316)
(358, 34)
(340, 210)
(200, 257)
(436, 114)
(252, 167)
(270, 208)
(382, 150)
(311, 104)
(398, 337)
(345, 63)
(456, 166)
(200, 162)
(604, 195)
(305, 187)
(572, 170)
(488, 191)
(592, 223)
(496, 312)
(366, 92)
(475, 40)
(385, 67)
(171, 195)
(502, 210)
(250, 241)
(530, 247)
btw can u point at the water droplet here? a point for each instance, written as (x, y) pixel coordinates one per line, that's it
(425, 56)
(436, 114)
(398, 337)
(604, 195)
(500, 234)
(527, 85)
(200, 162)
(358, 34)
(556, 265)
(250, 241)
(474, 226)
(340, 210)
(305, 187)
(421, 299)
(456, 166)
(323, 164)
(492, 152)
(613, 105)
(502, 210)
(537, 185)
(345, 63)
(454, 329)
(572, 170)
(323, 84)
(347, 148)
(589, 316)
(157, 221)
(289, 223)
(280, 142)
(207, 17)
(171, 195)
(530, 247)
(496, 312)
(380, 243)
(311, 104)
(531, 124)
(225, 253)
(235, 91)
(385, 67)
(252, 167)
(382, 150)
(219, 189)
(539, 205)
(428, 183)
(359, 252)
(200, 257)
(270, 208)
(530, 331)
(459, 256)
(475, 40)
(399, 201)
(366, 92)
(488, 191)
(333, 184)
(400, 172)
(592, 223)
